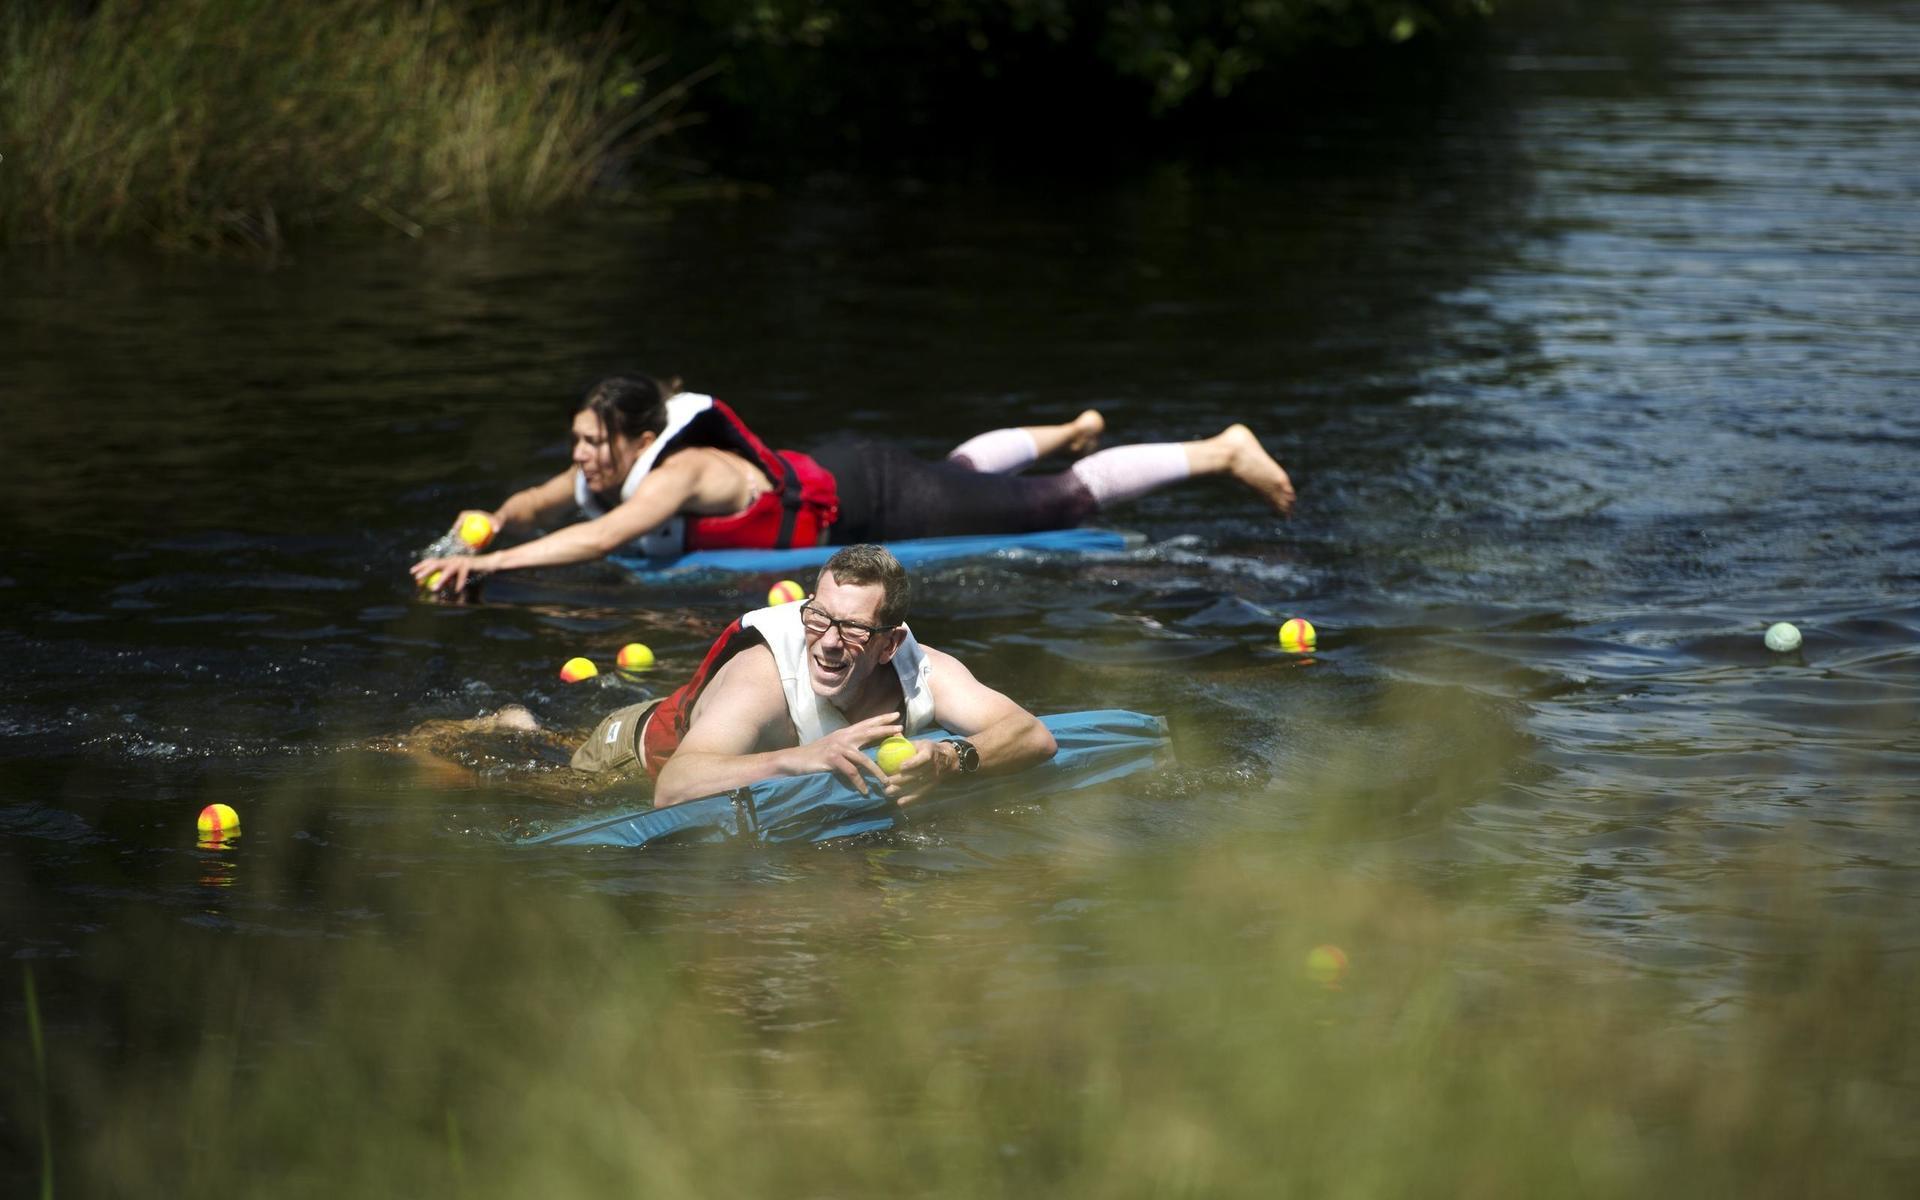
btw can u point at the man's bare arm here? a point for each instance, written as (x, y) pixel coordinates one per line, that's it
(741, 734)
(1007, 736)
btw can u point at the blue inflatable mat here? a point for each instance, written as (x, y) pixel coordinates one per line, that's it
(912, 552)
(1095, 747)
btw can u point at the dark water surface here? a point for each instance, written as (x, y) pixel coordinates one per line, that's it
(1587, 372)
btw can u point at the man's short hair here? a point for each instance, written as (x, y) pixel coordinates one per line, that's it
(868, 563)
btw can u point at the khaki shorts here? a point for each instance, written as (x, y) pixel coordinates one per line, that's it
(614, 744)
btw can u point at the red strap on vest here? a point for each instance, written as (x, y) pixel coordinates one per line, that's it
(793, 514)
(668, 723)
(804, 501)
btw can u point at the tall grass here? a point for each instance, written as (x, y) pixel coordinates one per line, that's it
(36, 1044)
(208, 122)
(390, 1011)
(1102, 1029)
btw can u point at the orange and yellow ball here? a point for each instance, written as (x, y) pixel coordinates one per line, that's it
(1297, 636)
(218, 822)
(476, 529)
(1326, 965)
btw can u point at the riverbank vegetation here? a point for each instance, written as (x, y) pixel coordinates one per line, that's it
(1062, 70)
(213, 122)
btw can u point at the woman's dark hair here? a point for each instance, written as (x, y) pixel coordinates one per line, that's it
(629, 405)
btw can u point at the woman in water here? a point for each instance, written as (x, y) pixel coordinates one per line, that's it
(659, 474)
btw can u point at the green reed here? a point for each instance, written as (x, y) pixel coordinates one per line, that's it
(36, 1044)
(215, 122)
(1096, 1020)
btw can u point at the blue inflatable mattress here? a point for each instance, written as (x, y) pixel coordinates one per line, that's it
(911, 553)
(1094, 747)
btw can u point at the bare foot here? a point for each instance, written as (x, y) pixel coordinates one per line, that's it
(1085, 431)
(1074, 438)
(1249, 462)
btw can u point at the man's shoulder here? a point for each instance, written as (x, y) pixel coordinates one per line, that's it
(752, 663)
(937, 657)
(744, 691)
(944, 671)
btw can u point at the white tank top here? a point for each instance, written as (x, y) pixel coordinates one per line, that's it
(814, 718)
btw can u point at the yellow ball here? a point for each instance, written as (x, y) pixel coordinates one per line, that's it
(634, 656)
(477, 529)
(1326, 965)
(1297, 636)
(894, 751)
(785, 592)
(432, 582)
(577, 669)
(218, 821)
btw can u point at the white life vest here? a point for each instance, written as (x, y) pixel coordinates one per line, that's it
(669, 538)
(813, 717)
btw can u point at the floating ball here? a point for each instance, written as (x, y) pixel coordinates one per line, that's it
(477, 529)
(785, 592)
(1782, 637)
(1297, 636)
(1326, 965)
(577, 669)
(218, 821)
(894, 751)
(634, 656)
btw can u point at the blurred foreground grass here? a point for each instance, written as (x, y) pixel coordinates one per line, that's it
(1099, 1023)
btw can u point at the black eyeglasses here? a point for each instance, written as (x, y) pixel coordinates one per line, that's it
(853, 633)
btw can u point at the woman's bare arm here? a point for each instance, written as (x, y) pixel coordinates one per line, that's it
(698, 480)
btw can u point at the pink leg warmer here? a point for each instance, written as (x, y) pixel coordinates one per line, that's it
(1127, 472)
(996, 452)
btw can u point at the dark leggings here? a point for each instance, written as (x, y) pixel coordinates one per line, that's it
(887, 494)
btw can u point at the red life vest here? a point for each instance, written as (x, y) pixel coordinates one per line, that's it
(667, 724)
(804, 501)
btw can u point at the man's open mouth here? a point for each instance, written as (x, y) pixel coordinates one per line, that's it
(831, 670)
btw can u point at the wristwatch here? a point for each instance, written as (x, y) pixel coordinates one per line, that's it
(964, 752)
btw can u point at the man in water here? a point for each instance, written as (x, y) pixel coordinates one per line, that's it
(801, 688)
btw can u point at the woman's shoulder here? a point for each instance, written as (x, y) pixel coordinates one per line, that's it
(685, 463)
(690, 456)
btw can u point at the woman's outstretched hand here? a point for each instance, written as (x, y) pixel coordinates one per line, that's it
(452, 574)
